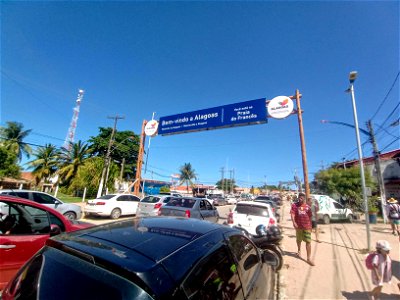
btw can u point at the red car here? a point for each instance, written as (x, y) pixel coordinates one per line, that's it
(24, 228)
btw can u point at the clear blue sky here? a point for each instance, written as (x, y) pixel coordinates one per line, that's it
(136, 58)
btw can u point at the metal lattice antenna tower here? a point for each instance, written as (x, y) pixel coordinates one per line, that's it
(69, 140)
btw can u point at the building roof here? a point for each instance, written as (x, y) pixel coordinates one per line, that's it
(370, 160)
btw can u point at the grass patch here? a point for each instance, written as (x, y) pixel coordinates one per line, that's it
(68, 199)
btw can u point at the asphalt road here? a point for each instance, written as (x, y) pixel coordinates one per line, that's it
(340, 271)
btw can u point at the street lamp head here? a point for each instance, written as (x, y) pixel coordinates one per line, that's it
(352, 76)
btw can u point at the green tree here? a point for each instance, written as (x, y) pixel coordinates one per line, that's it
(9, 164)
(45, 163)
(13, 137)
(344, 182)
(72, 160)
(187, 175)
(226, 184)
(125, 146)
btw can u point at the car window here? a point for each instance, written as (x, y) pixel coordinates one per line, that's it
(337, 205)
(132, 198)
(166, 199)
(214, 277)
(106, 197)
(254, 210)
(247, 259)
(208, 205)
(150, 199)
(203, 205)
(25, 219)
(24, 195)
(43, 198)
(187, 203)
(91, 281)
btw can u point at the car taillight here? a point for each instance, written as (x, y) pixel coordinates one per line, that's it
(271, 221)
(157, 205)
(100, 203)
(187, 213)
(230, 218)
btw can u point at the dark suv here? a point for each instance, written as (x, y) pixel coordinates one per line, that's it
(147, 258)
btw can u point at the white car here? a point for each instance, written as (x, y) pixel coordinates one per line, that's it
(231, 200)
(69, 210)
(250, 214)
(113, 205)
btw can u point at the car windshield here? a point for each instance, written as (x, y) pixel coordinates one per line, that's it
(254, 210)
(106, 197)
(187, 203)
(150, 199)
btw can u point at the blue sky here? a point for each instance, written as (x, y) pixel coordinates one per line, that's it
(136, 58)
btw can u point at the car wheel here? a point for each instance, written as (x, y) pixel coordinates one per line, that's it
(88, 215)
(70, 215)
(326, 219)
(116, 213)
(350, 218)
(274, 258)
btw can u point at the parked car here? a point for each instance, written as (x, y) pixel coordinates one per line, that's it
(163, 258)
(24, 227)
(275, 208)
(330, 209)
(150, 205)
(219, 201)
(174, 194)
(190, 207)
(112, 205)
(250, 214)
(231, 200)
(69, 210)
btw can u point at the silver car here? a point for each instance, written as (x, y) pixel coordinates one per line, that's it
(150, 205)
(70, 211)
(189, 207)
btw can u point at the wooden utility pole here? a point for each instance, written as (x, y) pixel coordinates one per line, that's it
(303, 144)
(140, 160)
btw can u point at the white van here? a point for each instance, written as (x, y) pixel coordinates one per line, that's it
(330, 209)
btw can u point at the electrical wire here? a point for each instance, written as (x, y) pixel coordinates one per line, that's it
(387, 95)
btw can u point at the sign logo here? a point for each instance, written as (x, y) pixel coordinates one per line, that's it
(151, 128)
(280, 107)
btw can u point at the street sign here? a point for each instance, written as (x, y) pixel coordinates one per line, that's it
(238, 114)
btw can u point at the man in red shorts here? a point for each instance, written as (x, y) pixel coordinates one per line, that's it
(301, 215)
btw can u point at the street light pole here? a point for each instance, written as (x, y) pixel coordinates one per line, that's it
(352, 78)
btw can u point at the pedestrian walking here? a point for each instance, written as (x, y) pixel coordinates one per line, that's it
(301, 215)
(381, 271)
(313, 203)
(393, 213)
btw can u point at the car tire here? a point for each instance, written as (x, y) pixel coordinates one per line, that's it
(326, 219)
(350, 218)
(88, 215)
(115, 213)
(70, 215)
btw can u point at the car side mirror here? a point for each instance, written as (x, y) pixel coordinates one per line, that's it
(54, 230)
(57, 203)
(250, 262)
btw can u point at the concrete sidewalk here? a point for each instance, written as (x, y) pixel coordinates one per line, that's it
(340, 271)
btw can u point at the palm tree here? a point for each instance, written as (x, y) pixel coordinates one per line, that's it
(45, 164)
(13, 137)
(187, 174)
(72, 160)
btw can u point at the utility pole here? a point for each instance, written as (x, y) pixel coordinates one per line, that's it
(107, 158)
(140, 160)
(222, 177)
(378, 168)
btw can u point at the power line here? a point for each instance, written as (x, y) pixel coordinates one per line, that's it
(387, 146)
(393, 111)
(387, 95)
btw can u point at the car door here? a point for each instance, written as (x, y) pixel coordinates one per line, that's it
(122, 201)
(339, 212)
(27, 236)
(132, 203)
(47, 200)
(204, 212)
(256, 277)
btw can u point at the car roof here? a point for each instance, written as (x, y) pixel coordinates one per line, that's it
(15, 199)
(141, 236)
(18, 190)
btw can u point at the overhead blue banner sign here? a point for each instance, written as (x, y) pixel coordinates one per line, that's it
(238, 114)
